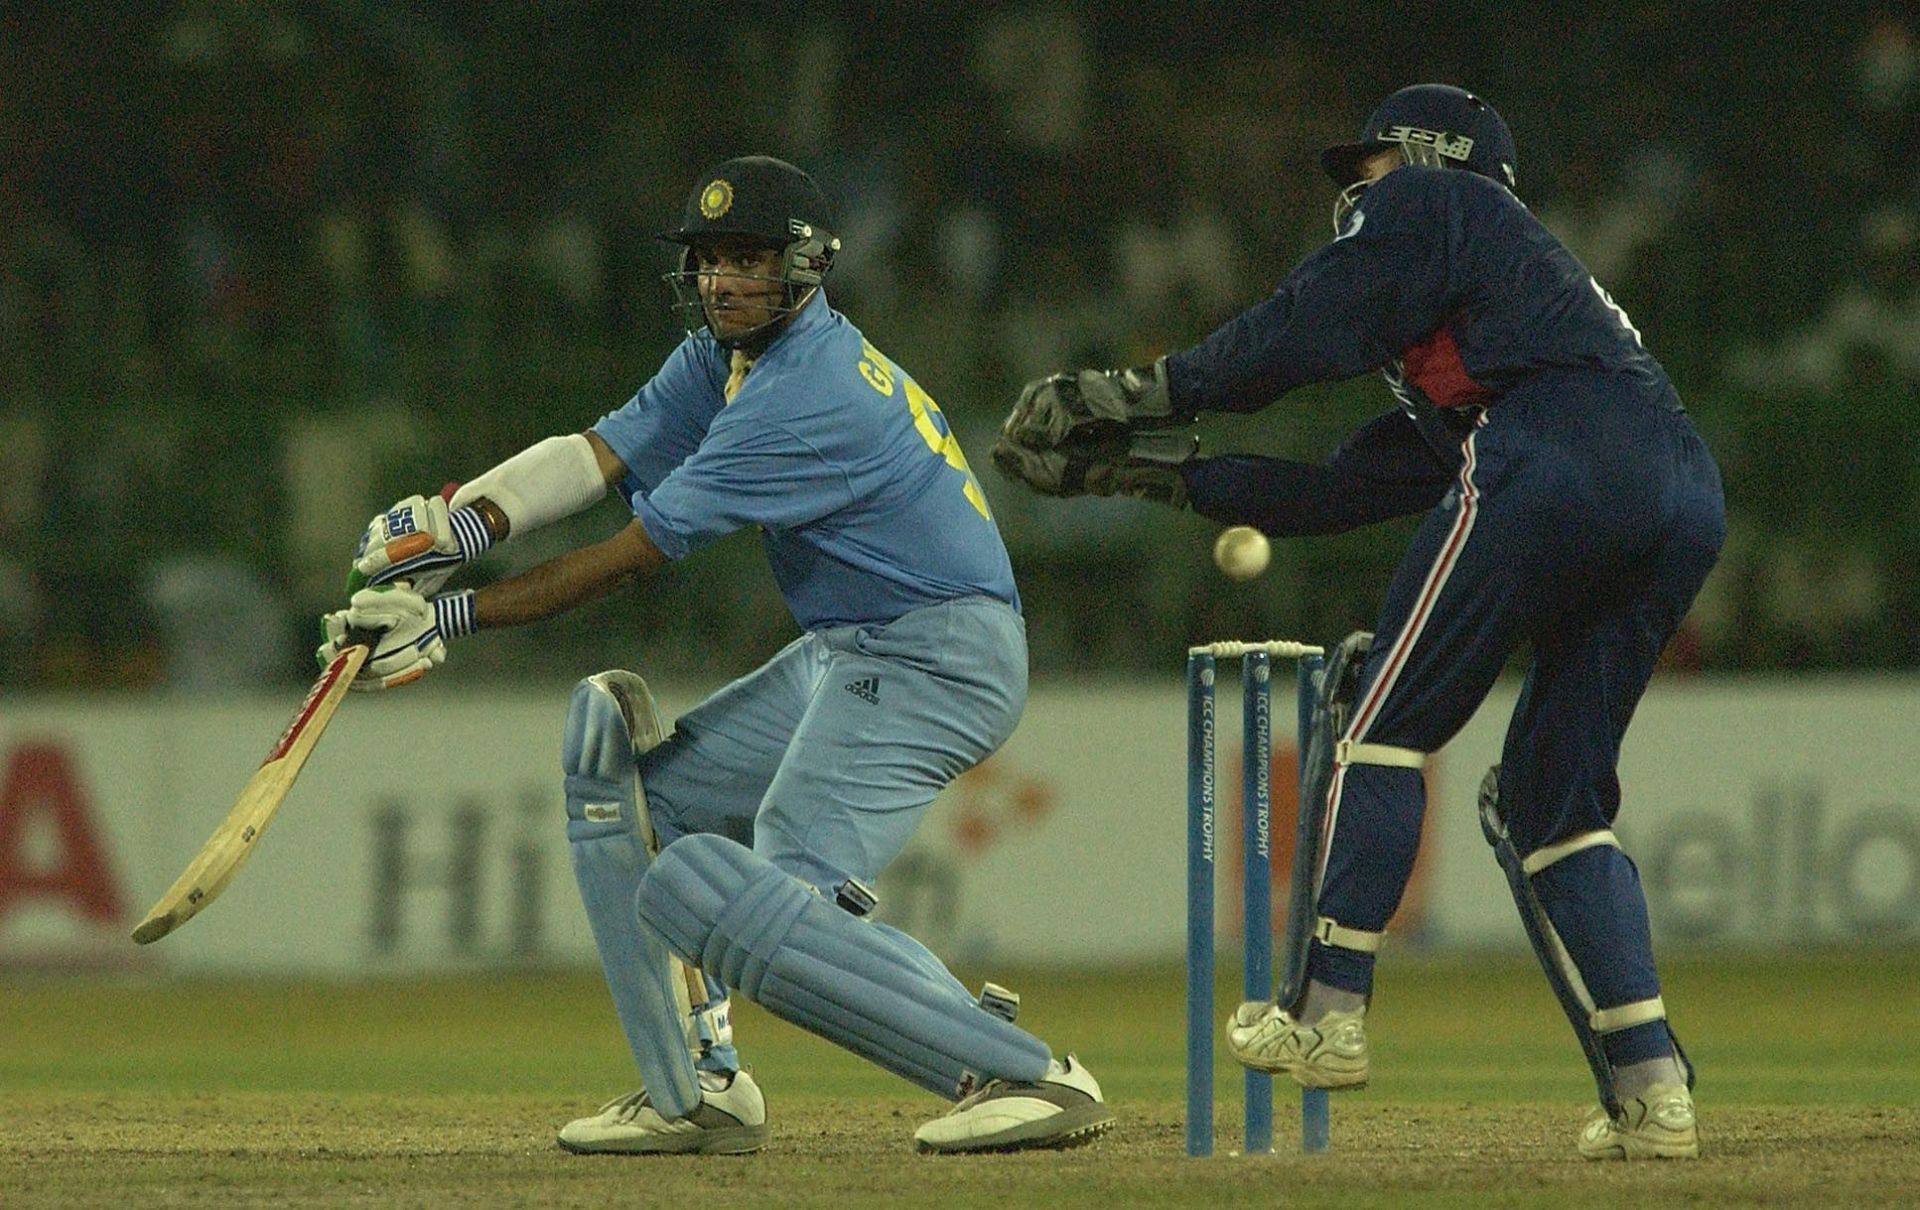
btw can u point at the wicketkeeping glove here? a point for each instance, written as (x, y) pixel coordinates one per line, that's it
(419, 540)
(1145, 466)
(406, 631)
(1091, 407)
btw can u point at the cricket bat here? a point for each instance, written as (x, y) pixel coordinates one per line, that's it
(233, 841)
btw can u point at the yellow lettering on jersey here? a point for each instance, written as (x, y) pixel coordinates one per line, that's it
(946, 445)
(876, 369)
(879, 373)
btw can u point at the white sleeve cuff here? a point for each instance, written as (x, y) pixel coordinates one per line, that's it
(541, 484)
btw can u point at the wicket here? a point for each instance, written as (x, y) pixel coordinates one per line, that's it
(1256, 665)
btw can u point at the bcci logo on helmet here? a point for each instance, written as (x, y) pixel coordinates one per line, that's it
(715, 200)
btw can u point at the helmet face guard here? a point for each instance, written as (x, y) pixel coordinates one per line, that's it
(803, 266)
(1344, 204)
(765, 201)
(1433, 125)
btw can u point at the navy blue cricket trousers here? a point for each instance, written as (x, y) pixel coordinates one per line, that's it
(1580, 526)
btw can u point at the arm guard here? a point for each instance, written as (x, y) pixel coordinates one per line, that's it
(543, 483)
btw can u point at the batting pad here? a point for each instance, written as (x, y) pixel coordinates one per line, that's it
(605, 834)
(806, 960)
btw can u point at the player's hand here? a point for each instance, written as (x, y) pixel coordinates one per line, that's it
(403, 632)
(1146, 467)
(420, 540)
(1094, 408)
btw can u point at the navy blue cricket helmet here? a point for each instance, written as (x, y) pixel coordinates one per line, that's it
(1437, 125)
(753, 195)
(766, 200)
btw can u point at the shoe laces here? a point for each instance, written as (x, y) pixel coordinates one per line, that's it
(1000, 1085)
(997, 1087)
(624, 1108)
(990, 1088)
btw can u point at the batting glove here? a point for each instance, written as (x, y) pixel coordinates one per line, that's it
(420, 540)
(406, 631)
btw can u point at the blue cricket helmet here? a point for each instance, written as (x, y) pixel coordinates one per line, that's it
(753, 195)
(771, 202)
(1433, 124)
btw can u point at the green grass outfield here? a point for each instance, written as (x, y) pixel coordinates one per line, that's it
(432, 1093)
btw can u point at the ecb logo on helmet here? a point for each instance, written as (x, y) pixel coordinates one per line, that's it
(716, 199)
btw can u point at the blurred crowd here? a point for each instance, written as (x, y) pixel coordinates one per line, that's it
(265, 266)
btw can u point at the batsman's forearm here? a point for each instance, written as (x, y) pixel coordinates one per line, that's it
(570, 580)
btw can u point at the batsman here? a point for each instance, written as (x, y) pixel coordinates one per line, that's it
(1571, 509)
(736, 851)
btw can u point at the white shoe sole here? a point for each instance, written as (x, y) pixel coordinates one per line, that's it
(1637, 1150)
(1074, 1127)
(1623, 1146)
(730, 1140)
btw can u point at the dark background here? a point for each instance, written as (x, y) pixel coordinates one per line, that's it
(266, 266)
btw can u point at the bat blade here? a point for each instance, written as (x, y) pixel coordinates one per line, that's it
(234, 840)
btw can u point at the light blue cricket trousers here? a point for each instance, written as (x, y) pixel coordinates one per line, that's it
(825, 758)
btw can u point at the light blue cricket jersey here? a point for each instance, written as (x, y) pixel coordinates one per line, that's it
(866, 504)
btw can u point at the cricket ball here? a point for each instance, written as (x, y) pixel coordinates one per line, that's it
(1242, 552)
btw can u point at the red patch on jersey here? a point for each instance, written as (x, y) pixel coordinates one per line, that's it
(1435, 367)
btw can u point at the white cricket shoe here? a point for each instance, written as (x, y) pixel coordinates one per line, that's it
(731, 1119)
(1656, 1125)
(1061, 1109)
(1330, 1053)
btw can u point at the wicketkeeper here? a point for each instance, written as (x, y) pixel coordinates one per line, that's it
(1570, 508)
